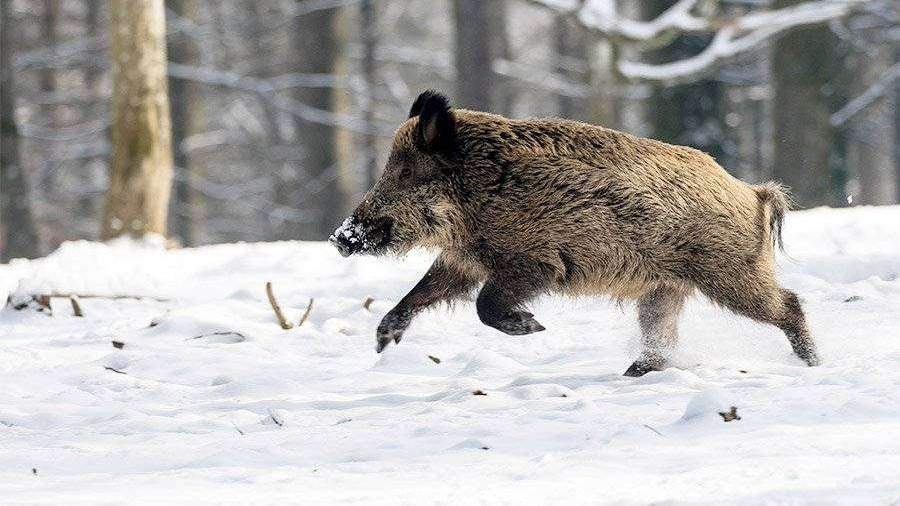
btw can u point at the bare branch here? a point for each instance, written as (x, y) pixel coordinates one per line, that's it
(310, 6)
(286, 325)
(550, 81)
(43, 300)
(884, 84)
(738, 37)
(733, 35)
(306, 313)
(76, 307)
(268, 89)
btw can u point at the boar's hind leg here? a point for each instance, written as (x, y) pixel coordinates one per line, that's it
(658, 312)
(500, 301)
(759, 297)
(441, 283)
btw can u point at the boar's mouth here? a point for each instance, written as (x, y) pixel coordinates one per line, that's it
(362, 236)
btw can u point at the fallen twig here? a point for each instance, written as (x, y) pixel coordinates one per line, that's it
(654, 430)
(76, 307)
(219, 333)
(275, 419)
(306, 313)
(286, 325)
(434, 359)
(43, 300)
(66, 295)
(113, 369)
(368, 302)
(118, 345)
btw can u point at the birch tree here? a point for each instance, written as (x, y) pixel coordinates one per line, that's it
(802, 65)
(141, 164)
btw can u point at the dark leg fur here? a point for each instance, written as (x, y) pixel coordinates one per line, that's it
(441, 283)
(793, 323)
(764, 301)
(495, 308)
(500, 301)
(658, 312)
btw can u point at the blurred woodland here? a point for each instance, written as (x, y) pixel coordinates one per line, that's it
(247, 120)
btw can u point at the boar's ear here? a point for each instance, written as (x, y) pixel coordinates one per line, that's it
(436, 131)
(420, 100)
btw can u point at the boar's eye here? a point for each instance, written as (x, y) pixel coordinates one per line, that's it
(405, 171)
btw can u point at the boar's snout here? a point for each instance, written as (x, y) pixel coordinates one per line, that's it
(346, 238)
(362, 236)
(343, 245)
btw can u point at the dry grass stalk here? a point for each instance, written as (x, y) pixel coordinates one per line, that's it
(306, 313)
(286, 325)
(76, 307)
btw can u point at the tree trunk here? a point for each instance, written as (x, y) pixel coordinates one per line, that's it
(141, 166)
(571, 47)
(746, 117)
(897, 124)
(315, 48)
(49, 23)
(185, 110)
(20, 238)
(871, 133)
(92, 168)
(503, 98)
(685, 114)
(630, 104)
(368, 25)
(802, 66)
(92, 72)
(475, 78)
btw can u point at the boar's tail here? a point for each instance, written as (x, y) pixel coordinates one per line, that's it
(775, 199)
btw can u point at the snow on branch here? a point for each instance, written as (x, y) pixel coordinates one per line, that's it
(880, 88)
(733, 35)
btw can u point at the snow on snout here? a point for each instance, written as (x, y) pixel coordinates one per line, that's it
(350, 231)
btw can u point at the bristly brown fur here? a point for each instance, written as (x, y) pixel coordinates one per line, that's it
(527, 207)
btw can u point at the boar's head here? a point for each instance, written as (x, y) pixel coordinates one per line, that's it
(413, 203)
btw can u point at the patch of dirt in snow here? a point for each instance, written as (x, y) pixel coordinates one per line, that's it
(208, 400)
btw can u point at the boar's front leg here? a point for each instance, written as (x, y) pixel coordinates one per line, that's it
(441, 283)
(500, 301)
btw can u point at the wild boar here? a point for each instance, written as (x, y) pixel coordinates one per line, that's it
(528, 207)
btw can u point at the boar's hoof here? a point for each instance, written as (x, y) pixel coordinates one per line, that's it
(640, 368)
(518, 323)
(811, 359)
(391, 327)
(385, 336)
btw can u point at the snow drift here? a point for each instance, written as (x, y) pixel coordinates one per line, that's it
(209, 400)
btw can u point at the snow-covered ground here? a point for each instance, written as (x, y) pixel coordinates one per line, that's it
(211, 401)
